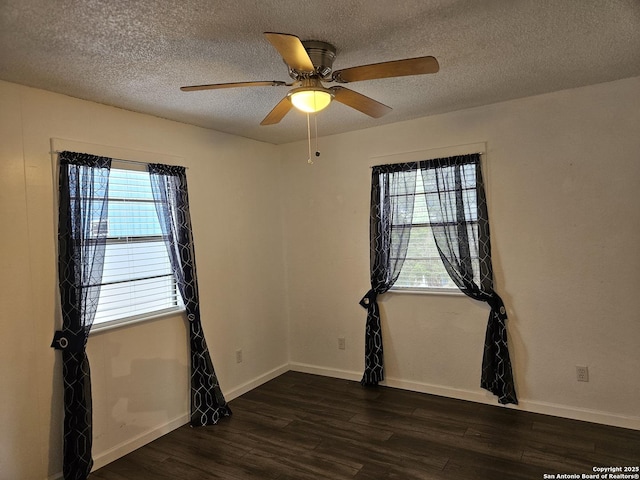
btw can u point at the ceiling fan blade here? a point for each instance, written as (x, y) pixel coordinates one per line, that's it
(360, 102)
(278, 112)
(291, 50)
(396, 68)
(214, 86)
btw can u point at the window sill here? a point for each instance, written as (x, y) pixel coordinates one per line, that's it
(427, 291)
(125, 322)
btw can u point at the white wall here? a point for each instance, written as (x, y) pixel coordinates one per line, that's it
(563, 173)
(140, 378)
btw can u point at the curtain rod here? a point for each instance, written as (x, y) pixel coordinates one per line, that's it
(123, 160)
(428, 159)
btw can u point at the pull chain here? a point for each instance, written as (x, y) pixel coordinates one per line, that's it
(309, 161)
(315, 121)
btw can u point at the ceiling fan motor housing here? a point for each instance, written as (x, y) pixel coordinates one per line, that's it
(322, 55)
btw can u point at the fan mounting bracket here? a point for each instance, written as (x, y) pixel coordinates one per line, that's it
(322, 55)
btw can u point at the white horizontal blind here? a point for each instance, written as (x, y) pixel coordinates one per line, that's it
(137, 279)
(423, 267)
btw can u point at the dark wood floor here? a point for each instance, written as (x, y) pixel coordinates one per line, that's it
(302, 426)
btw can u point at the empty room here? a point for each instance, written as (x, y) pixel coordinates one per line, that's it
(320, 240)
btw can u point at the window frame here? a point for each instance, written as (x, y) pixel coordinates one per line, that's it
(123, 158)
(426, 155)
(119, 164)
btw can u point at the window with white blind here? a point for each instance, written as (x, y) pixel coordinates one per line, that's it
(423, 268)
(137, 281)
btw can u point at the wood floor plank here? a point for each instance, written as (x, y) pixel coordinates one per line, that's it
(476, 466)
(307, 427)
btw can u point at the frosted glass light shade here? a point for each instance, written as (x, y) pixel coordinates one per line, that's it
(311, 100)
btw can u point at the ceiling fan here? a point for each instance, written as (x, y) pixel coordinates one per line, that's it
(310, 64)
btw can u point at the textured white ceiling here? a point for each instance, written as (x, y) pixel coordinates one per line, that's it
(136, 54)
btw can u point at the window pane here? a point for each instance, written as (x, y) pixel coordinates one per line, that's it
(129, 184)
(137, 277)
(435, 204)
(423, 267)
(136, 297)
(133, 219)
(468, 173)
(124, 261)
(424, 273)
(401, 183)
(420, 213)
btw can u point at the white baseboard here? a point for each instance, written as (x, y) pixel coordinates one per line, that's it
(584, 414)
(325, 372)
(481, 396)
(103, 458)
(100, 459)
(256, 382)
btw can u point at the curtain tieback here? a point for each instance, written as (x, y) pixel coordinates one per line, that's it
(72, 342)
(497, 305)
(369, 299)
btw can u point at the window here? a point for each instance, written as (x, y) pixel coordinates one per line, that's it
(137, 280)
(423, 268)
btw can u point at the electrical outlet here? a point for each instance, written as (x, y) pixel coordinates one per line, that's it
(582, 374)
(238, 356)
(341, 343)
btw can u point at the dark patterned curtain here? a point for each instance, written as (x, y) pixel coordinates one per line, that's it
(459, 220)
(84, 185)
(169, 186)
(392, 198)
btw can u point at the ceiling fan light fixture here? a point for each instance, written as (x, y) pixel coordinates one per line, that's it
(311, 99)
